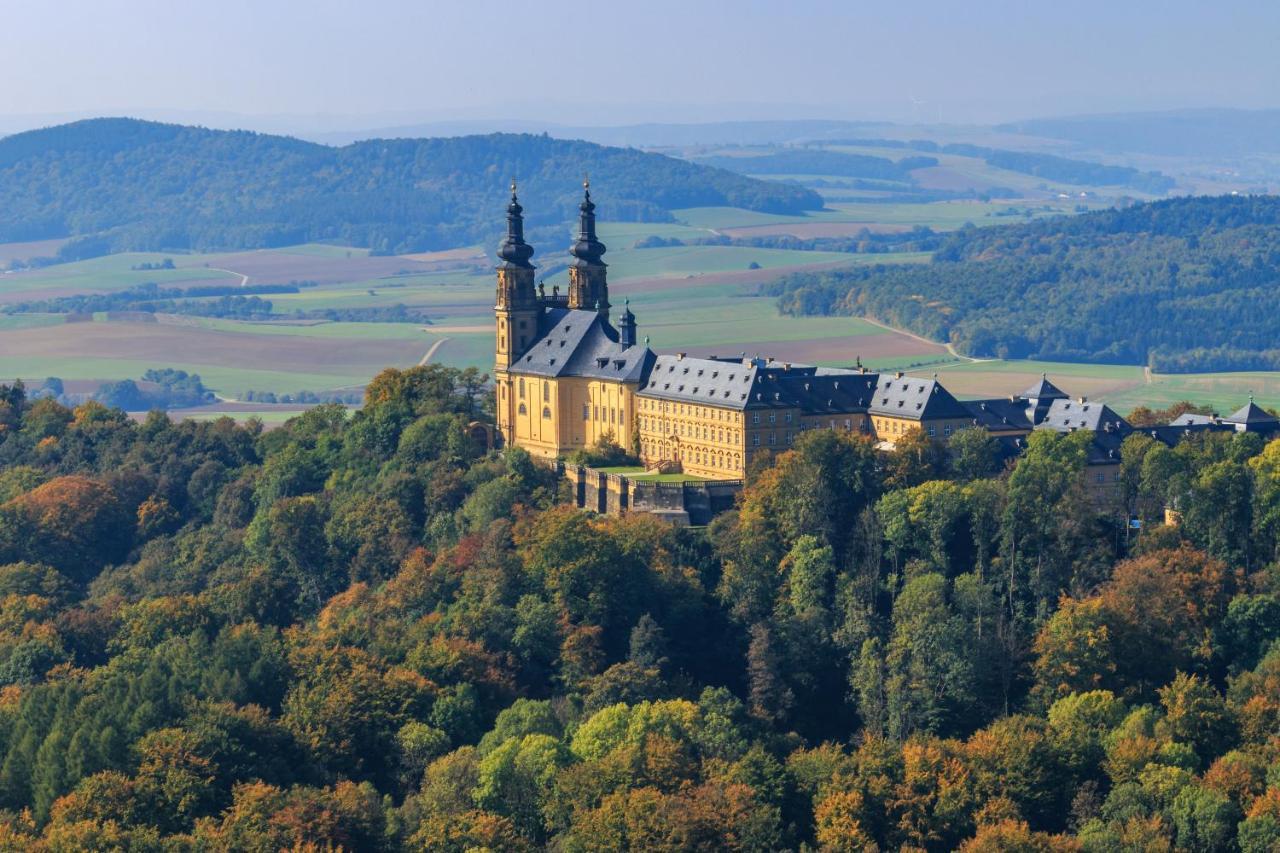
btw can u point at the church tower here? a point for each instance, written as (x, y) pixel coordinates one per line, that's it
(588, 288)
(517, 306)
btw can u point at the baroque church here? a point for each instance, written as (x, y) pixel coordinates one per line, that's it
(566, 377)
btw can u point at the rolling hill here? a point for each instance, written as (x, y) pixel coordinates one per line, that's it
(124, 184)
(1187, 284)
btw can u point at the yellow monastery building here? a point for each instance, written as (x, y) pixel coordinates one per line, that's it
(567, 377)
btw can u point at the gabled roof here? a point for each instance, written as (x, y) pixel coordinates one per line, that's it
(1044, 390)
(999, 414)
(582, 343)
(1176, 432)
(1251, 413)
(1070, 415)
(1192, 419)
(758, 384)
(914, 398)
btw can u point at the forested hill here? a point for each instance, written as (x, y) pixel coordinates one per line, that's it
(360, 631)
(135, 185)
(1186, 284)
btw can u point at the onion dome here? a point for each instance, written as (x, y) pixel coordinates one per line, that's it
(587, 250)
(513, 250)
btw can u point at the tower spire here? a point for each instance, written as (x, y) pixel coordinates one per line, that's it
(513, 250)
(587, 249)
(588, 286)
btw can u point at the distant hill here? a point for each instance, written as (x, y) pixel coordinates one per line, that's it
(124, 184)
(1186, 284)
(1183, 133)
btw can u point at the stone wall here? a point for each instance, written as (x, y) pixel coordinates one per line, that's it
(686, 503)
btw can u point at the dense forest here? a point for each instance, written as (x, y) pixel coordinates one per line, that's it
(1184, 285)
(362, 630)
(122, 184)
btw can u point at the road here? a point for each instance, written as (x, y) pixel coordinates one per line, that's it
(431, 351)
(244, 279)
(951, 350)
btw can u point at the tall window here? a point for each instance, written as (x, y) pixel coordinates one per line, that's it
(521, 387)
(586, 412)
(546, 392)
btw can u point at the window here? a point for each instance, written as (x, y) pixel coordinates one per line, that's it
(546, 411)
(773, 438)
(788, 417)
(521, 387)
(773, 418)
(586, 412)
(946, 430)
(755, 440)
(522, 409)
(1102, 478)
(546, 392)
(933, 430)
(755, 418)
(848, 425)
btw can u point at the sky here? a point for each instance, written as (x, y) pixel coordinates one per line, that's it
(340, 63)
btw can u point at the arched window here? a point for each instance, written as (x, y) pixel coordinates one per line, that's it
(546, 411)
(523, 410)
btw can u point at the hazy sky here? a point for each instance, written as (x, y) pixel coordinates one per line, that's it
(607, 62)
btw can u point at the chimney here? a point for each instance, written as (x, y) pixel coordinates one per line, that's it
(898, 375)
(679, 356)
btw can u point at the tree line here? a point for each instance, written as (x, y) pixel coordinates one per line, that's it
(1183, 284)
(364, 630)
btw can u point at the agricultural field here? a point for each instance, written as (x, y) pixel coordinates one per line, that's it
(700, 299)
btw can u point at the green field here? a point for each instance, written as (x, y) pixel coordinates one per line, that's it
(691, 298)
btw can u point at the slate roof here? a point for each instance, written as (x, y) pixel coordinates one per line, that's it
(582, 343)
(1176, 432)
(1069, 415)
(758, 384)
(1192, 419)
(999, 413)
(914, 398)
(1250, 413)
(1044, 390)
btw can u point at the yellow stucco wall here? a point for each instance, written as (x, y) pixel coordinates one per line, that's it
(707, 441)
(889, 429)
(550, 417)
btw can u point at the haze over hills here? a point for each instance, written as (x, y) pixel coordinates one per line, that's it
(124, 184)
(1185, 133)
